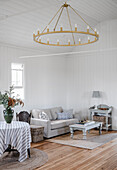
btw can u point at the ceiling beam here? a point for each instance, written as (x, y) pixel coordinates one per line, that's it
(67, 53)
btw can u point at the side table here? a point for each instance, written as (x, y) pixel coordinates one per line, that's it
(36, 133)
(107, 114)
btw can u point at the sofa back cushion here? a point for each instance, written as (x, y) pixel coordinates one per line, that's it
(48, 112)
(35, 113)
(66, 114)
(54, 112)
(51, 113)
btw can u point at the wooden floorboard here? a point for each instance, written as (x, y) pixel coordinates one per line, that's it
(62, 157)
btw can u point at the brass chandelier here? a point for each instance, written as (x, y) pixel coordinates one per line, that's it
(90, 31)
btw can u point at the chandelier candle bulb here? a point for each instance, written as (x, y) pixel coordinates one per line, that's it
(88, 29)
(61, 28)
(57, 42)
(88, 40)
(79, 41)
(47, 28)
(39, 39)
(68, 42)
(48, 41)
(95, 31)
(33, 35)
(75, 27)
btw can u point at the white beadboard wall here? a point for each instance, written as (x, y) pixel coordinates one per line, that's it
(95, 71)
(45, 78)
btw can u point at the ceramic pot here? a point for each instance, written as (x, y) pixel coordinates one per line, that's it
(8, 115)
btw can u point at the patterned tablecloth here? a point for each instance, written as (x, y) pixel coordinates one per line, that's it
(18, 135)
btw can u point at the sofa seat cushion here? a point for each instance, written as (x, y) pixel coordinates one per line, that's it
(62, 123)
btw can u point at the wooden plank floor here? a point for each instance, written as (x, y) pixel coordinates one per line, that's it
(61, 157)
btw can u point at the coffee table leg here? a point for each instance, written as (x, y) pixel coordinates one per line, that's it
(72, 132)
(84, 134)
(100, 129)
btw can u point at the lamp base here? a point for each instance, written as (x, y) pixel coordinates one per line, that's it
(95, 106)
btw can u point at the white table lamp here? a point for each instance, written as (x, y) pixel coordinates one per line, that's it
(96, 95)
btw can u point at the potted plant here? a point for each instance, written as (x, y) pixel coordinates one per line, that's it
(9, 103)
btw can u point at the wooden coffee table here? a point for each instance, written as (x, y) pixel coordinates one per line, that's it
(85, 128)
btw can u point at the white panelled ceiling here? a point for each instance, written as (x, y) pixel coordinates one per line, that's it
(20, 18)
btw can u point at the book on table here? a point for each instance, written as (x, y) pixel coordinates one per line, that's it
(86, 123)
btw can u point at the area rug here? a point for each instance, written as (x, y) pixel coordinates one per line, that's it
(92, 141)
(10, 161)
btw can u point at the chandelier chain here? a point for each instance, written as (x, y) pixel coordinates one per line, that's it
(52, 19)
(70, 25)
(58, 18)
(81, 17)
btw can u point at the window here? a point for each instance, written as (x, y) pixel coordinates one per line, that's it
(17, 79)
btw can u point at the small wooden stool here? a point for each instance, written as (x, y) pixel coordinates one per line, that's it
(36, 133)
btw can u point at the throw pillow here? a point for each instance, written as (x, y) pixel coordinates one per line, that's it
(66, 114)
(47, 111)
(44, 116)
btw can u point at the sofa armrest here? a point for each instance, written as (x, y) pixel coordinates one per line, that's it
(40, 122)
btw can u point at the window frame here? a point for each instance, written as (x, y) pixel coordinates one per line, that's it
(19, 87)
(22, 75)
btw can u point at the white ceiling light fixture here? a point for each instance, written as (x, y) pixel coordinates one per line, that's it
(47, 31)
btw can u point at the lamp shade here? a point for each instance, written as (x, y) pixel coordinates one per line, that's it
(96, 94)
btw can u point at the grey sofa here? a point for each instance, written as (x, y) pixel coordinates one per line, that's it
(53, 126)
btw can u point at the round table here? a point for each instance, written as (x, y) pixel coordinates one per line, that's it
(17, 134)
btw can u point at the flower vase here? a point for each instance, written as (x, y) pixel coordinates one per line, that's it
(8, 115)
